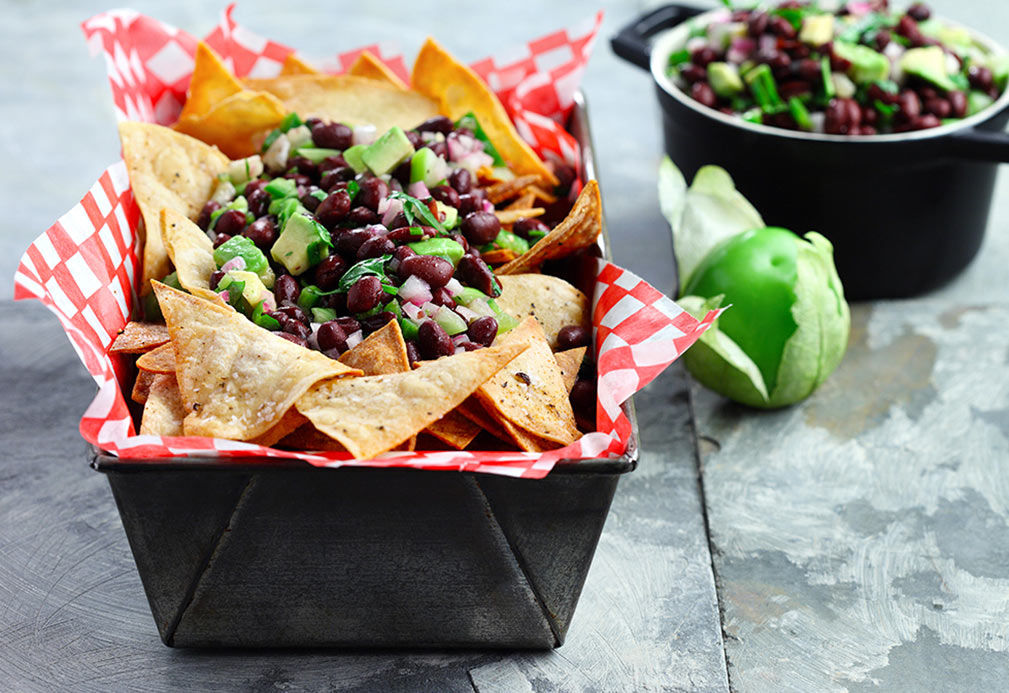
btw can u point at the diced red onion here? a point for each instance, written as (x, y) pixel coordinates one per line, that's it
(269, 301)
(696, 43)
(459, 350)
(460, 338)
(364, 134)
(740, 49)
(313, 340)
(412, 310)
(354, 338)
(859, 8)
(418, 190)
(488, 206)
(469, 315)
(415, 290)
(430, 309)
(235, 263)
(768, 43)
(223, 295)
(454, 287)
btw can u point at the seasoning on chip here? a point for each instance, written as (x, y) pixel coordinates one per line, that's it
(552, 301)
(163, 411)
(454, 429)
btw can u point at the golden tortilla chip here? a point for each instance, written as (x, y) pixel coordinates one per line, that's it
(310, 439)
(382, 352)
(551, 300)
(192, 253)
(498, 256)
(529, 391)
(506, 190)
(160, 360)
(237, 123)
(510, 216)
(459, 91)
(527, 441)
(167, 170)
(475, 412)
(539, 193)
(372, 415)
(289, 423)
(454, 429)
(523, 201)
(211, 83)
(294, 65)
(142, 386)
(139, 338)
(349, 99)
(580, 228)
(237, 379)
(570, 363)
(367, 65)
(164, 411)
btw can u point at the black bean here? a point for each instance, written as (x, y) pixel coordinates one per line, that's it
(297, 339)
(349, 241)
(286, 289)
(348, 324)
(572, 337)
(473, 271)
(919, 12)
(442, 297)
(810, 70)
(329, 271)
(414, 138)
(462, 180)
(332, 162)
(433, 341)
(438, 123)
(704, 55)
(333, 209)
(958, 103)
(978, 76)
(704, 94)
(376, 246)
(402, 173)
(373, 191)
(332, 136)
(262, 232)
(782, 27)
(331, 336)
(757, 24)
(938, 106)
(305, 166)
(469, 203)
(439, 148)
(333, 177)
(230, 222)
(403, 252)
(693, 73)
(203, 221)
(376, 322)
(365, 294)
(215, 278)
(298, 178)
(522, 227)
(296, 327)
(436, 271)
(360, 216)
(445, 194)
(254, 185)
(295, 312)
(910, 105)
(221, 239)
(308, 200)
(483, 330)
(480, 228)
(412, 354)
(259, 201)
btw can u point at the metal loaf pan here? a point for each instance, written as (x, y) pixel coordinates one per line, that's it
(253, 553)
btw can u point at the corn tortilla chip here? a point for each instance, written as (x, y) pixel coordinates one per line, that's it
(167, 170)
(164, 411)
(367, 65)
(506, 190)
(210, 84)
(237, 123)
(498, 256)
(309, 438)
(551, 300)
(142, 386)
(539, 193)
(294, 65)
(160, 360)
(580, 228)
(237, 379)
(139, 337)
(510, 216)
(570, 363)
(289, 423)
(523, 201)
(382, 352)
(529, 391)
(192, 253)
(527, 441)
(348, 99)
(459, 91)
(373, 414)
(475, 412)
(454, 429)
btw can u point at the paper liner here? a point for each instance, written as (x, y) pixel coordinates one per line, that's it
(84, 267)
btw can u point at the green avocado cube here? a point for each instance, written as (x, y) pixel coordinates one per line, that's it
(442, 247)
(928, 63)
(725, 79)
(817, 29)
(302, 243)
(867, 65)
(427, 167)
(254, 259)
(387, 152)
(352, 155)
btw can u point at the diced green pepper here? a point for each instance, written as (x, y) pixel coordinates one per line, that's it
(279, 188)
(800, 113)
(315, 154)
(764, 89)
(309, 296)
(323, 314)
(442, 247)
(507, 239)
(409, 328)
(264, 320)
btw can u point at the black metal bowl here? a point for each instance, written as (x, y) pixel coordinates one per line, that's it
(906, 212)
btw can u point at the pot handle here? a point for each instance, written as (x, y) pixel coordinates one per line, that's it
(631, 42)
(979, 145)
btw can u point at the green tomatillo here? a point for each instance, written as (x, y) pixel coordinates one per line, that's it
(787, 328)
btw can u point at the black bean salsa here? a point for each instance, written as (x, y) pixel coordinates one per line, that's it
(331, 233)
(860, 70)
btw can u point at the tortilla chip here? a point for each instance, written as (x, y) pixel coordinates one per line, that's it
(570, 363)
(506, 190)
(498, 256)
(373, 414)
(539, 193)
(580, 228)
(454, 429)
(510, 216)
(164, 411)
(167, 170)
(192, 253)
(237, 123)
(160, 360)
(349, 99)
(294, 65)
(382, 352)
(309, 438)
(290, 422)
(142, 386)
(475, 412)
(139, 338)
(237, 379)
(211, 83)
(527, 441)
(529, 391)
(367, 65)
(523, 201)
(459, 91)
(551, 300)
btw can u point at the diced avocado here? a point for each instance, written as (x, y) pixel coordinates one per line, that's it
(929, 64)
(817, 29)
(316, 154)
(442, 247)
(999, 66)
(507, 239)
(323, 314)
(352, 155)
(978, 101)
(303, 243)
(279, 188)
(243, 170)
(725, 79)
(469, 294)
(388, 151)
(867, 65)
(949, 36)
(451, 215)
(253, 258)
(427, 167)
(253, 290)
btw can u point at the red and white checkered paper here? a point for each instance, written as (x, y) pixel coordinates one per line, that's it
(84, 267)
